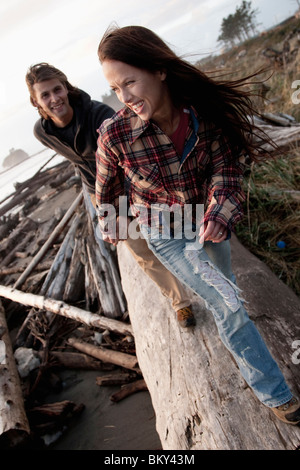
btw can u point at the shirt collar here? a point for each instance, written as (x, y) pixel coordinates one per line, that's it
(138, 126)
(195, 119)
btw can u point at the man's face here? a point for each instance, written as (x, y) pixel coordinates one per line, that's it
(52, 97)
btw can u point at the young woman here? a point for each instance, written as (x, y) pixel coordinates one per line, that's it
(181, 140)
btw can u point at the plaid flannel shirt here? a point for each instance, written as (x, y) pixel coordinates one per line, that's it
(136, 159)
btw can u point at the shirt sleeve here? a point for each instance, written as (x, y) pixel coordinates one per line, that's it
(109, 181)
(225, 193)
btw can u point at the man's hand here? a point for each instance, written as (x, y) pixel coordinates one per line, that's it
(213, 231)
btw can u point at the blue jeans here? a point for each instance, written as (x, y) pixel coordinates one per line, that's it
(197, 270)
(220, 255)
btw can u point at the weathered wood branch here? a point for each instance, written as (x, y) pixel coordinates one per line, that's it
(102, 281)
(54, 283)
(45, 266)
(7, 224)
(116, 379)
(52, 418)
(26, 226)
(129, 389)
(48, 243)
(20, 246)
(32, 184)
(106, 355)
(285, 138)
(69, 311)
(104, 250)
(13, 419)
(54, 410)
(71, 360)
(74, 285)
(201, 401)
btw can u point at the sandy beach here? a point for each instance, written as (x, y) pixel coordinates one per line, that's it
(104, 425)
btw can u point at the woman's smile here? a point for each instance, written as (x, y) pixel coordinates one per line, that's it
(137, 107)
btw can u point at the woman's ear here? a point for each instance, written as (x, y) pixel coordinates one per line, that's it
(162, 74)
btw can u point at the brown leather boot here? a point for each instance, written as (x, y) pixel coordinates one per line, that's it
(186, 317)
(289, 412)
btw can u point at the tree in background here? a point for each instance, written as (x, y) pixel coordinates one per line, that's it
(239, 26)
(298, 3)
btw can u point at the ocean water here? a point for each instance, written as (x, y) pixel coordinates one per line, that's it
(25, 170)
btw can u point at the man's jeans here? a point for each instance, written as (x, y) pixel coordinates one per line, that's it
(195, 268)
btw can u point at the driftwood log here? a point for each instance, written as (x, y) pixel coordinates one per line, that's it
(72, 360)
(200, 399)
(113, 357)
(129, 389)
(48, 243)
(13, 420)
(51, 419)
(7, 245)
(106, 264)
(284, 137)
(120, 378)
(69, 311)
(30, 186)
(55, 283)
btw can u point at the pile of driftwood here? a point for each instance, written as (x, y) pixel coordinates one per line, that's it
(62, 304)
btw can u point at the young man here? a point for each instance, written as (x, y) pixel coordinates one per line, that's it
(68, 125)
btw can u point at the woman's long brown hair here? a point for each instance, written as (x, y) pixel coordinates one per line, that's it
(225, 103)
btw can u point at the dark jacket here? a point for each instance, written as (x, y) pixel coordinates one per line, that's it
(81, 144)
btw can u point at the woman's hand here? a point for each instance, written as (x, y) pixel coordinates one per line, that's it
(120, 220)
(214, 232)
(113, 241)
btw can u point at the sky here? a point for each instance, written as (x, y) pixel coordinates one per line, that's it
(66, 34)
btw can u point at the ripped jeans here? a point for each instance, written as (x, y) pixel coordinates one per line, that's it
(194, 268)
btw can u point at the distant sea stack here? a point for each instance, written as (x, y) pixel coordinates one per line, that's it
(14, 157)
